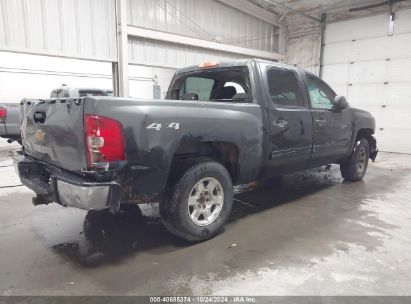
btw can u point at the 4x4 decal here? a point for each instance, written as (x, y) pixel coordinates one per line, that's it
(159, 126)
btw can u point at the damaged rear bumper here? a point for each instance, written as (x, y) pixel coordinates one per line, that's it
(55, 185)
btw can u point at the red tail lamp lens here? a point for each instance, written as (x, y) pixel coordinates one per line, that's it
(3, 114)
(104, 140)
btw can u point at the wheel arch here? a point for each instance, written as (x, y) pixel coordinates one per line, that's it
(368, 133)
(190, 152)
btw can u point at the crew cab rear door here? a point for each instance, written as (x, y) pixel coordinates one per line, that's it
(290, 121)
(332, 128)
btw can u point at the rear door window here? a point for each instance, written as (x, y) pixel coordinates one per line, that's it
(284, 88)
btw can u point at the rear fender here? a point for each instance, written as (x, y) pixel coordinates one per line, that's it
(154, 131)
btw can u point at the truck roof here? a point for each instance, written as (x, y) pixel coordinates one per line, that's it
(239, 62)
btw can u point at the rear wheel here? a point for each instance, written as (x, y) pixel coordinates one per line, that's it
(355, 166)
(199, 202)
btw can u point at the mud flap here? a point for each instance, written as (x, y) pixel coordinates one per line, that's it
(373, 148)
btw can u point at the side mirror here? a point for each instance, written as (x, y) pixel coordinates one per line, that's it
(340, 103)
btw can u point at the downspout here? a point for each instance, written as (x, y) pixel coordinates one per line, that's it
(322, 25)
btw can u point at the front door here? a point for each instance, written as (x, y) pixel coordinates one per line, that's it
(289, 119)
(332, 128)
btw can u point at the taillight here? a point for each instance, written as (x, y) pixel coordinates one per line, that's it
(104, 140)
(3, 114)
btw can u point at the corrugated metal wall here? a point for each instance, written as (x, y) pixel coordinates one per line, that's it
(303, 43)
(24, 75)
(163, 54)
(73, 28)
(205, 19)
(86, 29)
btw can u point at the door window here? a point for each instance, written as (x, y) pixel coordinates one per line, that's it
(284, 88)
(321, 95)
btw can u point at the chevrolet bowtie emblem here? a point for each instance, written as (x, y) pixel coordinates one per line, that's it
(40, 135)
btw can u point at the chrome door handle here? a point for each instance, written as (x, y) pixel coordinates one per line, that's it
(320, 122)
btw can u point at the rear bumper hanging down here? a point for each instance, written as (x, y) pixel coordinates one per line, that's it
(65, 188)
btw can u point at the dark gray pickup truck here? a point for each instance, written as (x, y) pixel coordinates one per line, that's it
(220, 125)
(10, 121)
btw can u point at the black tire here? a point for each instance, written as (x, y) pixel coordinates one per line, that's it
(174, 208)
(130, 212)
(355, 166)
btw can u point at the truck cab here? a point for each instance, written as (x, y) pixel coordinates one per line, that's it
(306, 124)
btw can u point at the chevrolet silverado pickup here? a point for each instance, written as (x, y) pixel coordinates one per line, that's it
(220, 125)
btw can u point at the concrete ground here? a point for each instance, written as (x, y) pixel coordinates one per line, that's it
(305, 234)
(6, 149)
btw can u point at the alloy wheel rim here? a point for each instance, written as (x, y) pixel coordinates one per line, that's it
(205, 201)
(362, 159)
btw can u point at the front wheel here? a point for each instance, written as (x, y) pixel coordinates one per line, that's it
(355, 166)
(198, 204)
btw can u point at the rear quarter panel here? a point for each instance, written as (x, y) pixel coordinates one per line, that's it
(154, 130)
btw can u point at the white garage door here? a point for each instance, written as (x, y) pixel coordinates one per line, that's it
(373, 69)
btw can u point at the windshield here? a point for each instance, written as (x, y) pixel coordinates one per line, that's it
(225, 84)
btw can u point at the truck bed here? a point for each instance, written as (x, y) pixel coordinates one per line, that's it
(53, 130)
